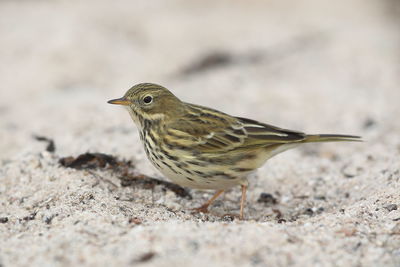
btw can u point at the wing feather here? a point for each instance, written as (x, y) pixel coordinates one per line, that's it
(210, 131)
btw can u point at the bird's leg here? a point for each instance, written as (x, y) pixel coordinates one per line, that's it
(204, 208)
(242, 201)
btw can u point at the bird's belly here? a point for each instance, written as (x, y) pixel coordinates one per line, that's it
(201, 175)
(192, 178)
(200, 171)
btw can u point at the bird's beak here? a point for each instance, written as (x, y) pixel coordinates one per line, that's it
(119, 101)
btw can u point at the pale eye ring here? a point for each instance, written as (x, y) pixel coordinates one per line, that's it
(147, 99)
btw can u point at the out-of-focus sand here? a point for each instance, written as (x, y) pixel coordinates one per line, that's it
(315, 66)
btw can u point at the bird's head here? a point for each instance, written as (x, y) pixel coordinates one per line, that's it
(148, 101)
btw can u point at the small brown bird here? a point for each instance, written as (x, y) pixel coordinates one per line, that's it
(199, 147)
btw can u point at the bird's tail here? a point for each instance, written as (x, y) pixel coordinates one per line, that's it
(331, 138)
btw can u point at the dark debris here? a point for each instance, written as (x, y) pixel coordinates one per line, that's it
(91, 161)
(228, 217)
(320, 197)
(50, 218)
(51, 147)
(145, 257)
(30, 217)
(278, 214)
(3, 219)
(218, 59)
(369, 123)
(308, 211)
(135, 220)
(267, 199)
(391, 207)
(149, 183)
(223, 58)
(209, 61)
(312, 211)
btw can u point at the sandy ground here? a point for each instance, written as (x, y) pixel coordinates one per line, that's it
(315, 66)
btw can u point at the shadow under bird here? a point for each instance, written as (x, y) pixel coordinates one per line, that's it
(200, 147)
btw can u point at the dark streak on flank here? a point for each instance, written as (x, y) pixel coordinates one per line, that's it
(181, 165)
(169, 156)
(188, 171)
(197, 163)
(202, 174)
(242, 169)
(174, 145)
(217, 173)
(150, 134)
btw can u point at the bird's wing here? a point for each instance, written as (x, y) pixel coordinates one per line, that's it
(210, 131)
(262, 133)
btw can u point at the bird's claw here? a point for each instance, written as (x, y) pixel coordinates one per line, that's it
(201, 209)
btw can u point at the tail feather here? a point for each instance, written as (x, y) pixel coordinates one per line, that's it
(331, 138)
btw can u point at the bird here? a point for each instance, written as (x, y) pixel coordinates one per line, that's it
(203, 148)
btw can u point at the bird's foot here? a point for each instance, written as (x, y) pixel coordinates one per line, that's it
(201, 209)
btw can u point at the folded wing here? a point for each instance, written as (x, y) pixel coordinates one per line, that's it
(210, 131)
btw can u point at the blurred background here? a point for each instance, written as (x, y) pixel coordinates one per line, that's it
(311, 65)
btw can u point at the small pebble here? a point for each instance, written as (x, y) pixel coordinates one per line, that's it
(135, 220)
(30, 217)
(391, 207)
(267, 199)
(145, 257)
(308, 212)
(368, 123)
(228, 218)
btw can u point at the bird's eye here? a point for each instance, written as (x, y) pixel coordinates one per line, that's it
(148, 99)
